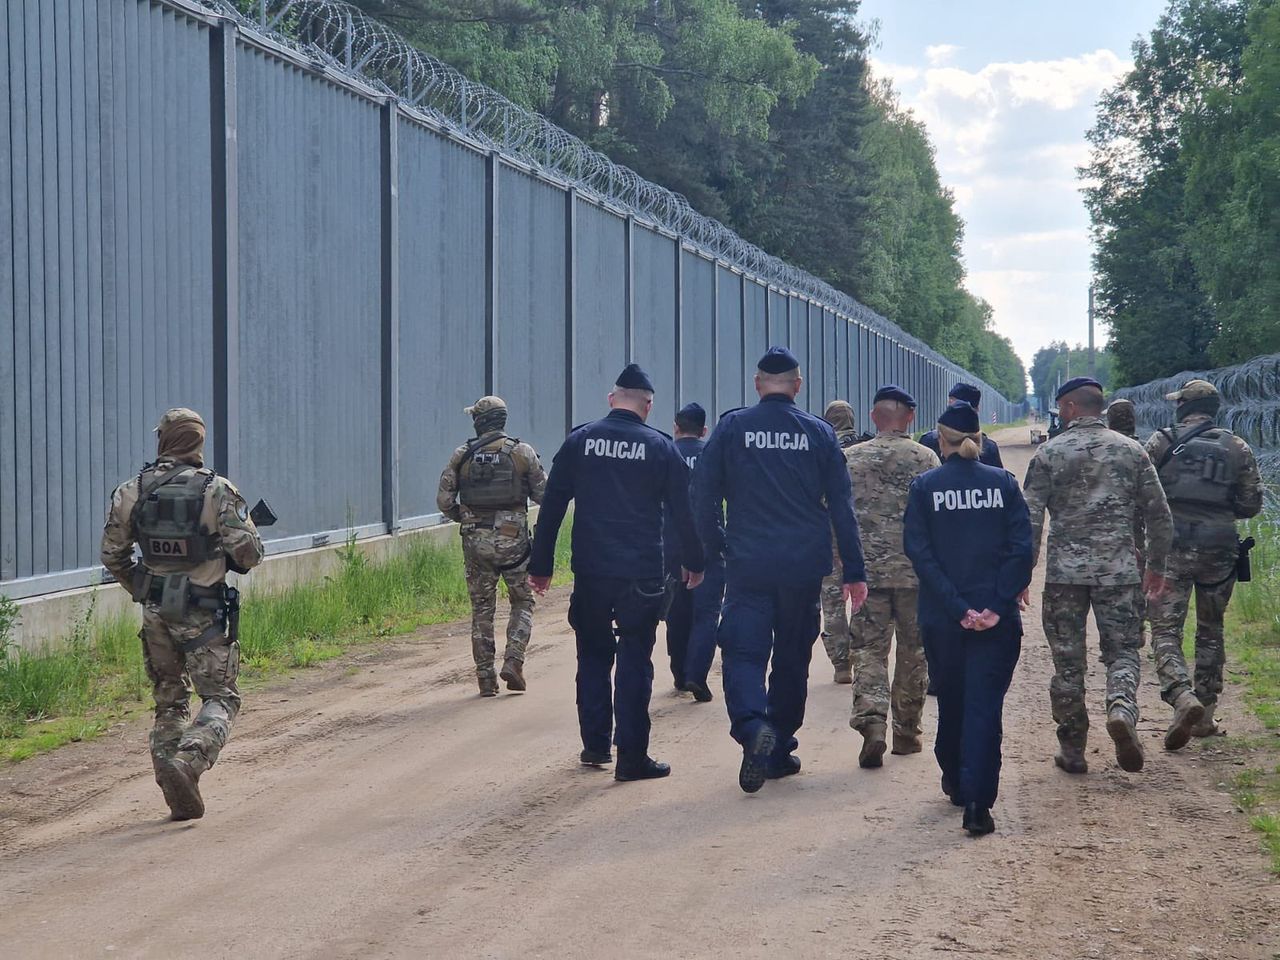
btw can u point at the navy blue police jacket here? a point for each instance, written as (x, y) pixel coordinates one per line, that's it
(781, 476)
(967, 533)
(690, 449)
(619, 472)
(990, 454)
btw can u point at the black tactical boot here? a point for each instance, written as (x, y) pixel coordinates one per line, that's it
(701, 692)
(644, 769)
(179, 780)
(784, 767)
(595, 758)
(755, 759)
(978, 821)
(949, 791)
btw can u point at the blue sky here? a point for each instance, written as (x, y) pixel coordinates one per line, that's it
(1007, 90)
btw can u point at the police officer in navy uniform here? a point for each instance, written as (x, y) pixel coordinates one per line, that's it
(620, 473)
(782, 475)
(967, 532)
(971, 395)
(693, 614)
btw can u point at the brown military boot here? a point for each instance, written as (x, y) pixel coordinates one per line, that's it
(844, 673)
(873, 745)
(1128, 746)
(1071, 758)
(513, 674)
(1207, 726)
(179, 780)
(488, 684)
(1187, 713)
(904, 744)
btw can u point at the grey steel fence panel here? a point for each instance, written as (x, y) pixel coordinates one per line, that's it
(654, 319)
(530, 365)
(729, 340)
(698, 332)
(844, 383)
(8, 319)
(814, 396)
(779, 331)
(755, 334)
(310, 297)
(799, 325)
(442, 209)
(600, 320)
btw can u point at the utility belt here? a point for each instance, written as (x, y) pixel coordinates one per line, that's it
(510, 526)
(174, 595)
(1203, 533)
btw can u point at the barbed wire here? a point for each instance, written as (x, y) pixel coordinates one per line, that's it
(346, 40)
(1250, 409)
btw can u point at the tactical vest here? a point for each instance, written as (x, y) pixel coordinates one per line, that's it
(489, 477)
(166, 518)
(1199, 470)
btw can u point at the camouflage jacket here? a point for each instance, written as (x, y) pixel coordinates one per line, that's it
(225, 513)
(1092, 480)
(1246, 500)
(534, 477)
(881, 471)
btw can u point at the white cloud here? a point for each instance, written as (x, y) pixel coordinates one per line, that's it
(940, 53)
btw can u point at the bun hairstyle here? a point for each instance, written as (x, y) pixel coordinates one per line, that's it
(969, 443)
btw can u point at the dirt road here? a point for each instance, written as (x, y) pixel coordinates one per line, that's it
(377, 808)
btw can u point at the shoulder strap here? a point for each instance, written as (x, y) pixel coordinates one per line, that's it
(476, 444)
(1176, 443)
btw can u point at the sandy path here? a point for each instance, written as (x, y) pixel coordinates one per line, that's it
(377, 808)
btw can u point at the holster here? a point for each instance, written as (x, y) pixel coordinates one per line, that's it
(1244, 570)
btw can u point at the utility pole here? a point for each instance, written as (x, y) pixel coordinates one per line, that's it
(1093, 370)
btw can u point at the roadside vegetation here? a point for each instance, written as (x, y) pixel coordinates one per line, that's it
(95, 677)
(1253, 669)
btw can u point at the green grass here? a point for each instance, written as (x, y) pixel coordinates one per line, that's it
(1253, 667)
(96, 677)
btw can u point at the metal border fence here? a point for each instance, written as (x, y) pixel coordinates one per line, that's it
(329, 243)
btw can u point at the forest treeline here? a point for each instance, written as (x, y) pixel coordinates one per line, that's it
(1183, 189)
(764, 114)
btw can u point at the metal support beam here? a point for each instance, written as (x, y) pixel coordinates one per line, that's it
(742, 337)
(570, 299)
(225, 190)
(492, 172)
(390, 160)
(679, 312)
(629, 302)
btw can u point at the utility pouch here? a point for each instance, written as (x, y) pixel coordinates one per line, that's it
(140, 586)
(173, 597)
(1244, 570)
(233, 614)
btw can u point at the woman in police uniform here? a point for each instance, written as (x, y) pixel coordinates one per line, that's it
(968, 535)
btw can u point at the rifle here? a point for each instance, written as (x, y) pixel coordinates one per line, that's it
(262, 515)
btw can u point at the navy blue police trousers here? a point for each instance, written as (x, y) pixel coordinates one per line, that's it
(634, 606)
(971, 671)
(691, 627)
(756, 622)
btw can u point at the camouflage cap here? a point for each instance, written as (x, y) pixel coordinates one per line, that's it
(485, 405)
(178, 415)
(1193, 390)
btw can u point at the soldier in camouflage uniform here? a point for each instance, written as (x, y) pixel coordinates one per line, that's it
(1211, 479)
(835, 621)
(486, 488)
(1092, 481)
(881, 471)
(191, 526)
(1122, 418)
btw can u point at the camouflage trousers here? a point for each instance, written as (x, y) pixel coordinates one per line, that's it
(490, 555)
(1118, 613)
(835, 618)
(212, 670)
(886, 612)
(1210, 572)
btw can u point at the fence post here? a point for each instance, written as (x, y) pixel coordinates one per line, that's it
(570, 300)
(679, 310)
(226, 248)
(742, 337)
(492, 171)
(390, 158)
(629, 303)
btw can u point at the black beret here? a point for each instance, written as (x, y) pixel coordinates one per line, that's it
(966, 392)
(891, 391)
(778, 360)
(960, 416)
(633, 378)
(1075, 383)
(693, 413)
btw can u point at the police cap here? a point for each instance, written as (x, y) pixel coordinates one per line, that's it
(633, 378)
(891, 391)
(1074, 384)
(960, 416)
(693, 415)
(778, 360)
(966, 392)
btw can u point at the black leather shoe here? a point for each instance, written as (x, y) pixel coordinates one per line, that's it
(950, 792)
(646, 769)
(594, 758)
(786, 767)
(755, 759)
(977, 820)
(701, 692)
